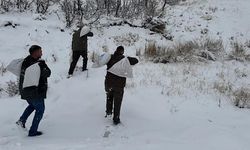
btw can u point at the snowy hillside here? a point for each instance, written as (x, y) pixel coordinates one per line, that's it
(166, 106)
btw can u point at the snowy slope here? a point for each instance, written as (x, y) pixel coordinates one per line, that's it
(173, 106)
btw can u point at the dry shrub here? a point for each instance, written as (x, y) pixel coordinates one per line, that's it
(190, 51)
(151, 49)
(2, 69)
(223, 87)
(242, 98)
(239, 52)
(126, 39)
(12, 88)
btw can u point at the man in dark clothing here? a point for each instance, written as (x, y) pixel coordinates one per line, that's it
(114, 85)
(79, 48)
(34, 95)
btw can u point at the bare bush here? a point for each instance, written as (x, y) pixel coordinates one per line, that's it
(7, 5)
(126, 39)
(42, 6)
(1, 90)
(214, 46)
(2, 69)
(67, 7)
(190, 51)
(23, 5)
(172, 2)
(223, 87)
(247, 43)
(151, 49)
(129, 9)
(242, 98)
(12, 88)
(155, 25)
(20, 5)
(239, 52)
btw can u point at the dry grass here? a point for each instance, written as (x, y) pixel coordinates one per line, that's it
(242, 98)
(224, 88)
(126, 39)
(239, 52)
(12, 88)
(2, 69)
(191, 51)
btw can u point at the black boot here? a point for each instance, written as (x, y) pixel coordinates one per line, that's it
(116, 121)
(38, 133)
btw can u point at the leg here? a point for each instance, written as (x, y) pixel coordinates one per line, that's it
(26, 113)
(109, 102)
(75, 59)
(118, 96)
(39, 107)
(85, 61)
(109, 99)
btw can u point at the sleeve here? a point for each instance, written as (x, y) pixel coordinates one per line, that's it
(90, 34)
(45, 71)
(133, 60)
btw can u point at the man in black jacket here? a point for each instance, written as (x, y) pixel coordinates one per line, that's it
(34, 95)
(114, 85)
(79, 48)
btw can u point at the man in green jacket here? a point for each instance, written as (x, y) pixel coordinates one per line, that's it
(80, 48)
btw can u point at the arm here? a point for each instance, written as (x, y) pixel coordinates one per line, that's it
(90, 34)
(133, 60)
(45, 71)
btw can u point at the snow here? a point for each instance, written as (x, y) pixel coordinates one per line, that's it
(165, 106)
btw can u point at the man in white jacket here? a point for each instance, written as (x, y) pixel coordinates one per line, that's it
(33, 88)
(115, 82)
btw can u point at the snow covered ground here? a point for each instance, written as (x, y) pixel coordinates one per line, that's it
(165, 106)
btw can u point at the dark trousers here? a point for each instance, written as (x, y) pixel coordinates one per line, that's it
(75, 57)
(114, 99)
(39, 107)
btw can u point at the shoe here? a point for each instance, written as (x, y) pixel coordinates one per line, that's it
(116, 121)
(69, 76)
(84, 69)
(21, 124)
(38, 133)
(109, 116)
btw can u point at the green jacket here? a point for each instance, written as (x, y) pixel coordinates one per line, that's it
(80, 43)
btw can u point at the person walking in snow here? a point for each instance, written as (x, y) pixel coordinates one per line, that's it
(80, 48)
(33, 88)
(118, 68)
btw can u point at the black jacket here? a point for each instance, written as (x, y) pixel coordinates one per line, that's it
(114, 81)
(33, 92)
(80, 43)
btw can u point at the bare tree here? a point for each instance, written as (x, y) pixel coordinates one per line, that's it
(68, 8)
(42, 6)
(6, 5)
(118, 5)
(23, 5)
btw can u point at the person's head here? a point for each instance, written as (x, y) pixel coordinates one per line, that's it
(119, 50)
(36, 51)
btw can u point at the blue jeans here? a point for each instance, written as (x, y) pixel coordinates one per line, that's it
(38, 105)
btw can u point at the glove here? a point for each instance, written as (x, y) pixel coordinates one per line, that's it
(42, 64)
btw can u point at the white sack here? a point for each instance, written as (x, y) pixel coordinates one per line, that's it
(15, 66)
(32, 76)
(122, 68)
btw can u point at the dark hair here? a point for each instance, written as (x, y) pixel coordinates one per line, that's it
(34, 48)
(119, 50)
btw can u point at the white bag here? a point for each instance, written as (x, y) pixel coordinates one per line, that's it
(101, 60)
(32, 76)
(15, 66)
(85, 30)
(122, 68)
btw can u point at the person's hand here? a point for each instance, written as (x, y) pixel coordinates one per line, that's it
(42, 63)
